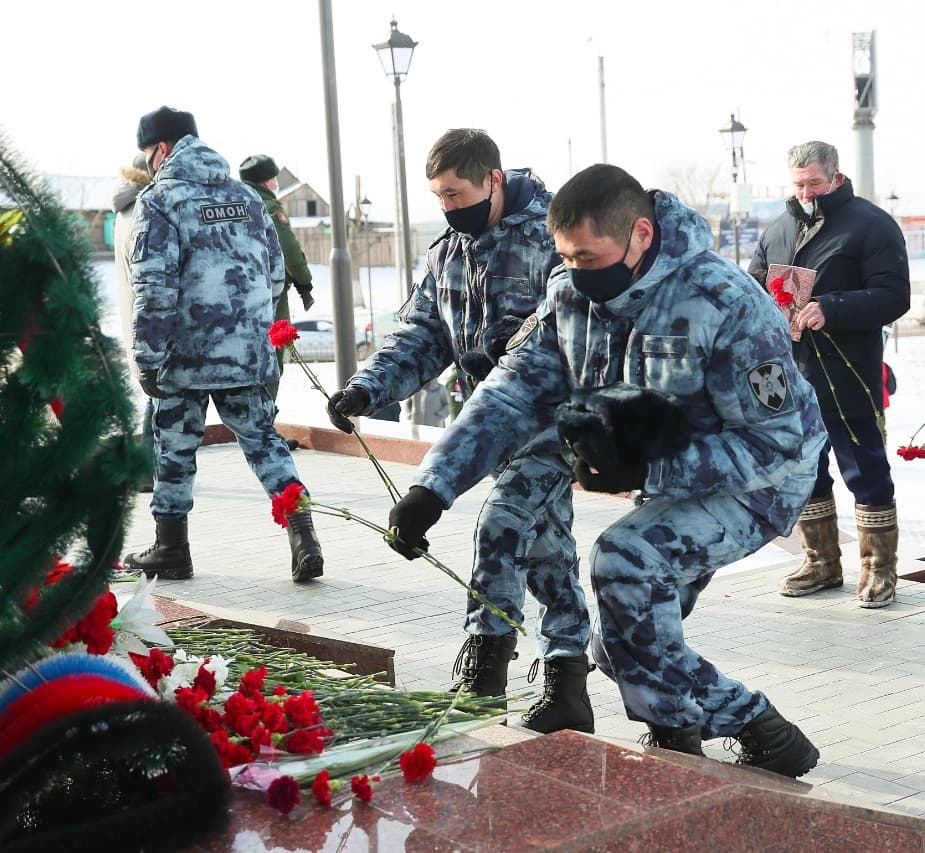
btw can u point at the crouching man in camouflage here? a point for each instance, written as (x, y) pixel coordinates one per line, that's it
(668, 371)
(206, 269)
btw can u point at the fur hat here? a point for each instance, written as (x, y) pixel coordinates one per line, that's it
(165, 124)
(258, 168)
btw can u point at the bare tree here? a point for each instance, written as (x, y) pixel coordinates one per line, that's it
(694, 183)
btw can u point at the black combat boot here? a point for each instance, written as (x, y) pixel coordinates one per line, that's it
(482, 664)
(772, 743)
(169, 556)
(307, 560)
(565, 703)
(678, 740)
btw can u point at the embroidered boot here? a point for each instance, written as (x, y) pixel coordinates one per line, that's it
(878, 535)
(307, 560)
(169, 556)
(772, 743)
(678, 740)
(565, 703)
(821, 566)
(482, 664)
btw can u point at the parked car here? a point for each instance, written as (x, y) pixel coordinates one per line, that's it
(316, 340)
(382, 324)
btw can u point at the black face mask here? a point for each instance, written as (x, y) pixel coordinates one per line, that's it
(471, 220)
(608, 283)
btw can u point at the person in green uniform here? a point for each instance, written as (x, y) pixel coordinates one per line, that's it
(259, 171)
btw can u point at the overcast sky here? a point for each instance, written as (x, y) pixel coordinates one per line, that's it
(78, 75)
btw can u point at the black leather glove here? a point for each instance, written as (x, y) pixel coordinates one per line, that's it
(414, 515)
(348, 403)
(148, 381)
(615, 477)
(305, 294)
(623, 424)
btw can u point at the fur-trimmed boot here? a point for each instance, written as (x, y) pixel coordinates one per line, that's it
(878, 536)
(169, 556)
(307, 560)
(482, 664)
(565, 703)
(821, 566)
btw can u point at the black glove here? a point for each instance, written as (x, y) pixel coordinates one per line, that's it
(615, 477)
(348, 403)
(414, 515)
(496, 336)
(305, 294)
(623, 425)
(476, 366)
(148, 381)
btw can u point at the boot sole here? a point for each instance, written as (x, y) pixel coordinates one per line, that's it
(799, 593)
(168, 576)
(874, 605)
(807, 763)
(311, 568)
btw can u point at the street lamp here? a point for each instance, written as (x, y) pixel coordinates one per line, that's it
(892, 198)
(734, 136)
(365, 205)
(395, 56)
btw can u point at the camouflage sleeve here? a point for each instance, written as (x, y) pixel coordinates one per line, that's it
(418, 351)
(277, 266)
(155, 257)
(510, 407)
(293, 257)
(752, 383)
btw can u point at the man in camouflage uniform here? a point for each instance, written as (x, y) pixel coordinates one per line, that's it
(206, 269)
(483, 275)
(642, 300)
(259, 171)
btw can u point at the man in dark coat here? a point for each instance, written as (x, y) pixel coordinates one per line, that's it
(861, 284)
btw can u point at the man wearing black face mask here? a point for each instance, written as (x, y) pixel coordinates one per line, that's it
(861, 284)
(484, 274)
(668, 370)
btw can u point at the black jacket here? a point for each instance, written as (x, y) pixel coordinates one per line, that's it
(862, 284)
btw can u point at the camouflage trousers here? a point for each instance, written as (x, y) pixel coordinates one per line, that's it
(647, 571)
(179, 424)
(523, 540)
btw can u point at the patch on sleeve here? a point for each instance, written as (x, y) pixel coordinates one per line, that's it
(530, 325)
(139, 247)
(281, 218)
(231, 211)
(769, 385)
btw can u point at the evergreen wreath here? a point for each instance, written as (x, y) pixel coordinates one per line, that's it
(69, 464)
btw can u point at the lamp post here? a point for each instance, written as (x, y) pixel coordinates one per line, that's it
(733, 136)
(365, 205)
(395, 56)
(892, 198)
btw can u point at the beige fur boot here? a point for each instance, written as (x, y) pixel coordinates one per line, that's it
(821, 567)
(878, 536)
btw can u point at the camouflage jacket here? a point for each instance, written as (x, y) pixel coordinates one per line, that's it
(206, 269)
(297, 271)
(693, 326)
(468, 283)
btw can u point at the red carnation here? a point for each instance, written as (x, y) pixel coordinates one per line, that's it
(252, 683)
(287, 503)
(303, 710)
(94, 629)
(362, 786)
(205, 679)
(321, 788)
(282, 333)
(784, 298)
(305, 741)
(152, 666)
(284, 794)
(418, 763)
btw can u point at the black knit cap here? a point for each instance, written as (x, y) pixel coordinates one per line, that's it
(258, 168)
(165, 124)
